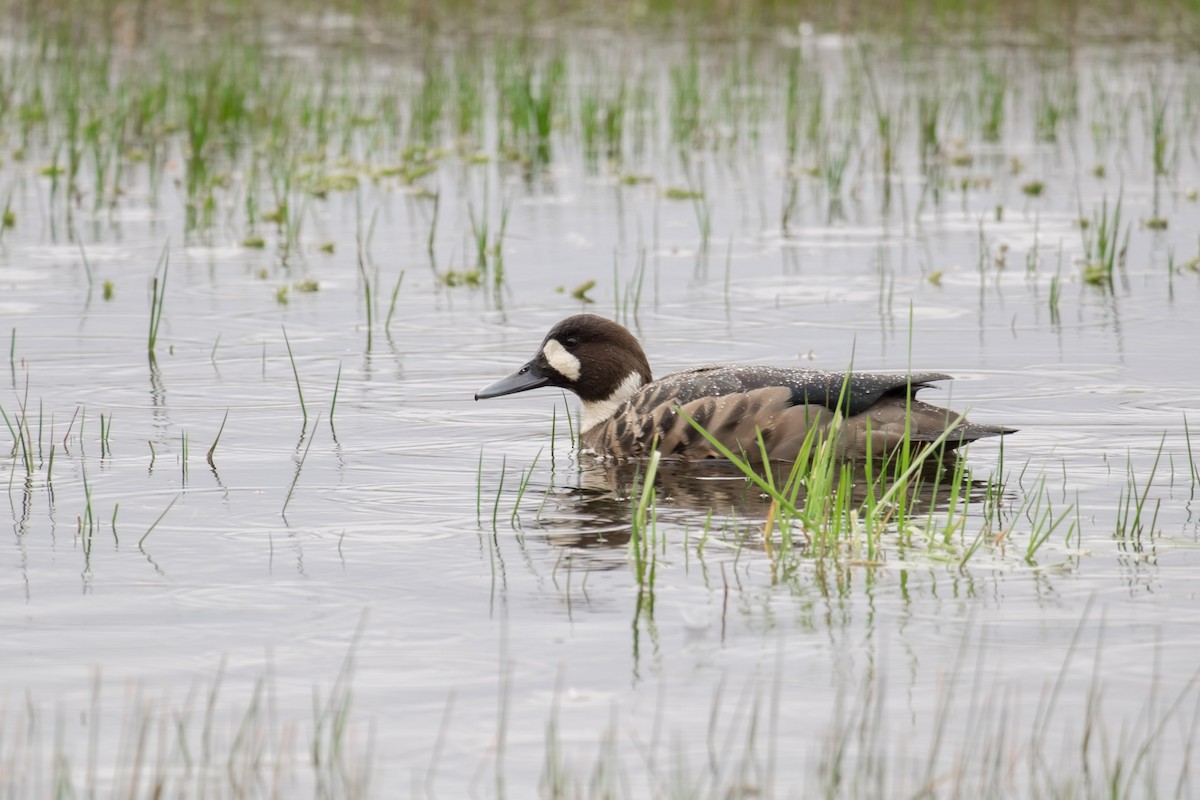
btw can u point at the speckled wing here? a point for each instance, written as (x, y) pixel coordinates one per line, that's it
(812, 387)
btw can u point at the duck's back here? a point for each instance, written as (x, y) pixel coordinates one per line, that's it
(735, 402)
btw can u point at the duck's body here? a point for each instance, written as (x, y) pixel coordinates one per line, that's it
(625, 411)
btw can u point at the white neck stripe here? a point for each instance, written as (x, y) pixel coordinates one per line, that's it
(597, 411)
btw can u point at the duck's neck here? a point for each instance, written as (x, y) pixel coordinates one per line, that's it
(597, 411)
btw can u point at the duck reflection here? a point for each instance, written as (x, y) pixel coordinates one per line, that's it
(595, 509)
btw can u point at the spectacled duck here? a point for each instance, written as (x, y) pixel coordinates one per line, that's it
(626, 412)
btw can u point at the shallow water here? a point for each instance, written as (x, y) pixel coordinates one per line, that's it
(366, 531)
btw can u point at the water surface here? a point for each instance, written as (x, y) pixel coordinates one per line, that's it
(489, 638)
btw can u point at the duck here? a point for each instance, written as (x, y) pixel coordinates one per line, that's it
(627, 414)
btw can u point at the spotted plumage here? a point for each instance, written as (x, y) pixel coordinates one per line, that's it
(626, 412)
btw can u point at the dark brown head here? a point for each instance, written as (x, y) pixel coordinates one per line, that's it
(591, 356)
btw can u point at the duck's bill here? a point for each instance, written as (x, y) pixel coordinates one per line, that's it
(526, 378)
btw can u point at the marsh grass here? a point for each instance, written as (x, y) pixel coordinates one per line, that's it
(857, 751)
(825, 519)
(1054, 300)
(299, 468)
(1132, 508)
(1163, 156)
(887, 127)
(337, 385)
(1105, 243)
(158, 296)
(215, 741)
(526, 476)
(183, 455)
(643, 541)
(363, 259)
(479, 491)
(499, 491)
(912, 503)
(488, 241)
(296, 375)
(213, 449)
(1057, 103)
(1193, 465)
(153, 525)
(250, 124)
(1038, 510)
(18, 430)
(387, 324)
(105, 430)
(87, 519)
(627, 299)
(224, 739)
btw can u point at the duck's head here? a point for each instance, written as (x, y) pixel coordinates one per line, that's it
(593, 357)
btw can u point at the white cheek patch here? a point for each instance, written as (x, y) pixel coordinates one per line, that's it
(563, 362)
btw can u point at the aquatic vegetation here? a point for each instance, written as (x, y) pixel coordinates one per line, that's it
(158, 296)
(829, 508)
(1105, 244)
(296, 374)
(252, 124)
(216, 738)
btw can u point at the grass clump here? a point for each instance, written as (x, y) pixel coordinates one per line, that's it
(680, 193)
(1105, 243)
(827, 508)
(158, 296)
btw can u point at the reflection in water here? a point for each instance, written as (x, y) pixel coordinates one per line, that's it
(591, 523)
(711, 495)
(161, 419)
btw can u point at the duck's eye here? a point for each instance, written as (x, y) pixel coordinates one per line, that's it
(572, 341)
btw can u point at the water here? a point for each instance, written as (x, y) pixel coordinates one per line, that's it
(366, 532)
